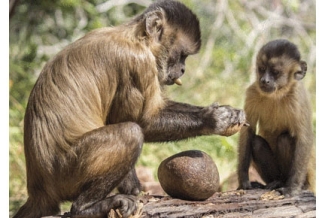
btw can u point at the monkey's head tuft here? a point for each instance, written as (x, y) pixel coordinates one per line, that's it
(280, 47)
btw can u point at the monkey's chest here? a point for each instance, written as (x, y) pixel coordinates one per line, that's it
(273, 121)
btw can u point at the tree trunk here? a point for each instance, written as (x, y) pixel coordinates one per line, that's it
(249, 203)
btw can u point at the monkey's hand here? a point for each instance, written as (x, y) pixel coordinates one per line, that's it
(223, 120)
(245, 185)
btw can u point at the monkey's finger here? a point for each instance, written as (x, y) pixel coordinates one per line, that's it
(243, 124)
(178, 81)
(241, 117)
(237, 117)
(231, 130)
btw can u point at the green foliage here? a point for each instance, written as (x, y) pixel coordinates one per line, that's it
(232, 33)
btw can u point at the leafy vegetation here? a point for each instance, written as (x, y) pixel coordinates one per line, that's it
(232, 33)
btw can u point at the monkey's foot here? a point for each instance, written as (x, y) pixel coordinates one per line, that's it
(274, 185)
(257, 185)
(251, 185)
(125, 204)
(288, 192)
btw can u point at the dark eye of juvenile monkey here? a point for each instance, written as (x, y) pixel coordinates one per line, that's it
(261, 69)
(275, 72)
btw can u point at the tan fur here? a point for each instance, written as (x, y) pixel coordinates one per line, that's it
(287, 109)
(94, 103)
(91, 94)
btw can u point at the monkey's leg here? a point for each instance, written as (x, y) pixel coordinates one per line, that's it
(265, 163)
(106, 155)
(130, 184)
(285, 153)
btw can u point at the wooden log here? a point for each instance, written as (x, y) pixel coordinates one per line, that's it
(248, 203)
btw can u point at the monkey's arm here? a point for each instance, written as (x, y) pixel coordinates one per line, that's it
(179, 121)
(245, 141)
(244, 157)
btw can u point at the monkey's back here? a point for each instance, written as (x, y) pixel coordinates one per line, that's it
(84, 87)
(76, 90)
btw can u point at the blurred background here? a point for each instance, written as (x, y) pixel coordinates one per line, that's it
(232, 33)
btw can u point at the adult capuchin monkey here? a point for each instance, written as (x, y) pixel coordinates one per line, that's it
(99, 99)
(279, 140)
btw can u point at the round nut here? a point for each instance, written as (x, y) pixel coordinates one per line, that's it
(189, 175)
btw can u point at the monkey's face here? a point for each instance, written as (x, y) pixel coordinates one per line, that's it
(276, 74)
(267, 78)
(272, 73)
(278, 66)
(172, 37)
(175, 68)
(181, 48)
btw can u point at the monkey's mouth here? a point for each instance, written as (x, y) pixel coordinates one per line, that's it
(178, 81)
(172, 81)
(267, 89)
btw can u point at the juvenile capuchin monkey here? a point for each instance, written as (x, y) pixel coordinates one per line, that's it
(99, 99)
(279, 140)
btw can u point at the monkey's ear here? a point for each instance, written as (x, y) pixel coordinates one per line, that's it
(154, 24)
(299, 75)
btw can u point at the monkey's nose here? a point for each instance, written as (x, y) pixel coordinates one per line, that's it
(265, 81)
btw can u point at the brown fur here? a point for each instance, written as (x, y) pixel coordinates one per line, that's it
(287, 110)
(99, 99)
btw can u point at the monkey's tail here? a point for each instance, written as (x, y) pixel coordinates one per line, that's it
(37, 209)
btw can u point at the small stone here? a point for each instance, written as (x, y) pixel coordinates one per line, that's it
(189, 175)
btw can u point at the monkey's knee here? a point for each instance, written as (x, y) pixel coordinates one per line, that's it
(109, 149)
(261, 152)
(260, 146)
(134, 132)
(265, 162)
(285, 139)
(132, 137)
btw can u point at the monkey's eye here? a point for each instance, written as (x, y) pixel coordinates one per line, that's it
(261, 69)
(275, 72)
